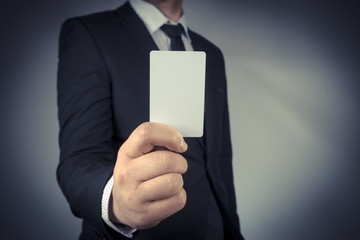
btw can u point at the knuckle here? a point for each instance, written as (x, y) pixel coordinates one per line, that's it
(118, 177)
(145, 129)
(122, 176)
(166, 159)
(176, 140)
(130, 172)
(174, 181)
(128, 198)
(181, 199)
(184, 164)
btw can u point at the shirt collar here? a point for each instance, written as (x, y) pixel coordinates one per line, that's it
(154, 18)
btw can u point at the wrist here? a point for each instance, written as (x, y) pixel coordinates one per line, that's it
(112, 210)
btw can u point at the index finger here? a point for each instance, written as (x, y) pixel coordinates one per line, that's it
(149, 135)
(157, 163)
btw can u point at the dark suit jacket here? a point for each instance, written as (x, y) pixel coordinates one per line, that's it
(103, 95)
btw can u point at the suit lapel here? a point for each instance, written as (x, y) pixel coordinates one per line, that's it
(195, 41)
(209, 118)
(137, 31)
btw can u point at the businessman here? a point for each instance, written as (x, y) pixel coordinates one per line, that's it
(124, 176)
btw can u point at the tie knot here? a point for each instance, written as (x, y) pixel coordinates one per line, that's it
(173, 31)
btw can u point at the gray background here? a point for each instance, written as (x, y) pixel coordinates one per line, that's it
(293, 81)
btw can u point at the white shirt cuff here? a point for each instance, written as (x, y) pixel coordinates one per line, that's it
(125, 230)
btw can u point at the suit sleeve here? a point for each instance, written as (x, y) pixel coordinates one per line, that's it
(226, 156)
(87, 155)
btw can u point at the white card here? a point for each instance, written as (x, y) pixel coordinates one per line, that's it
(177, 90)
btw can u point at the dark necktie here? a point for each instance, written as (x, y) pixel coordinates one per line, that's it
(174, 32)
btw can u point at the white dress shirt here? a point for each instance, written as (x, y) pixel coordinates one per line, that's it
(153, 20)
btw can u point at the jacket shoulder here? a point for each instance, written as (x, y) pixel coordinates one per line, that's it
(99, 19)
(207, 44)
(104, 18)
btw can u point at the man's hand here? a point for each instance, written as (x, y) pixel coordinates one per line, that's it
(148, 183)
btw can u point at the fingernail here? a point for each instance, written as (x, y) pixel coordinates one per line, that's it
(183, 145)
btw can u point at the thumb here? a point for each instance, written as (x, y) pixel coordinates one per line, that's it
(149, 135)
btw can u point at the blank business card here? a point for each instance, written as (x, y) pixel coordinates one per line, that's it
(177, 90)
